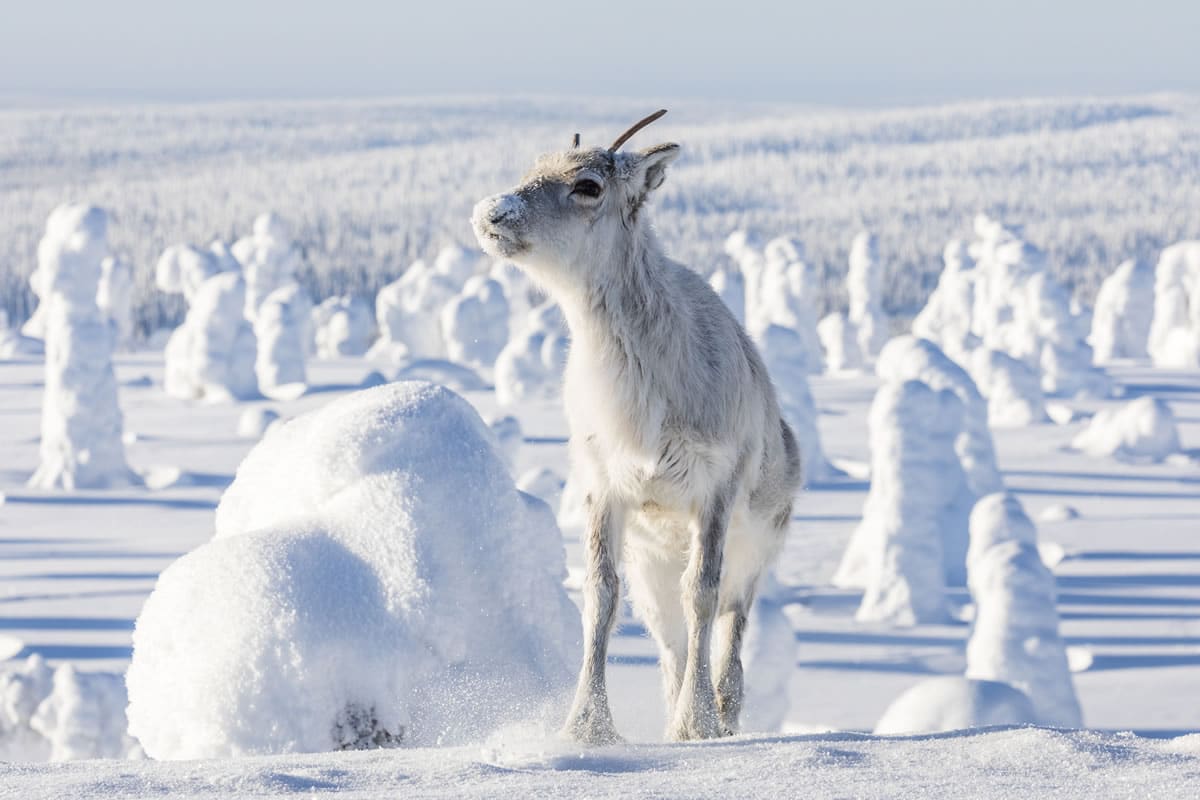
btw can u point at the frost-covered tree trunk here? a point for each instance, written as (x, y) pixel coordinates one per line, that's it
(81, 443)
(1015, 637)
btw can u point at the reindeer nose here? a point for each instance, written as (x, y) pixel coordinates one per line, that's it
(505, 208)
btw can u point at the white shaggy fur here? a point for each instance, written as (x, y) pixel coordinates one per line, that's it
(677, 442)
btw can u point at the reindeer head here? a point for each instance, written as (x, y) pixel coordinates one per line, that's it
(574, 206)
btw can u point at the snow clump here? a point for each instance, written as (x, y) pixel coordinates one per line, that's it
(1015, 637)
(1140, 430)
(350, 598)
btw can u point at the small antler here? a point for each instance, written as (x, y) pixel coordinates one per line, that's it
(627, 135)
(575, 142)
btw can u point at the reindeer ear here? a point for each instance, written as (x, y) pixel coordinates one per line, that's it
(651, 166)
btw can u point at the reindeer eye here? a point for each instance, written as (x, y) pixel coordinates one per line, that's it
(587, 187)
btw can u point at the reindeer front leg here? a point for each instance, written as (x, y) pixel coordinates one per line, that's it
(590, 719)
(696, 711)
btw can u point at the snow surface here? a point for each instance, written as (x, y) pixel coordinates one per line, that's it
(1005, 764)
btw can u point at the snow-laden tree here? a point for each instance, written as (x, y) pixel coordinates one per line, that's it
(81, 444)
(1174, 339)
(1123, 313)
(864, 285)
(1015, 637)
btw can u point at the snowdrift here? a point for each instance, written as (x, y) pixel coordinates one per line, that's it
(352, 598)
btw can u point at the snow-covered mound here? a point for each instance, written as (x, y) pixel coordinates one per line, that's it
(1123, 313)
(81, 444)
(1142, 429)
(896, 552)
(342, 326)
(953, 703)
(352, 598)
(864, 286)
(1175, 331)
(1014, 396)
(531, 365)
(1015, 638)
(62, 714)
(786, 357)
(211, 355)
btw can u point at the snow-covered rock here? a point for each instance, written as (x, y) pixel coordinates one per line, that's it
(342, 326)
(1015, 637)
(1175, 330)
(282, 330)
(351, 598)
(1013, 392)
(211, 355)
(81, 444)
(954, 703)
(531, 365)
(896, 552)
(864, 286)
(408, 312)
(1123, 313)
(786, 357)
(839, 340)
(269, 261)
(475, 323)
(1143, 429)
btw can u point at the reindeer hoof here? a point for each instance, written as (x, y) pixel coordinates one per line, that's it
(588, 725)
(695, 725)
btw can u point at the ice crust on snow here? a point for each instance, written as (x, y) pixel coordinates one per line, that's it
(82, 424)
(954, 703)
(1015, 637)
(350, 595)
(896, 552)
(1143, 429)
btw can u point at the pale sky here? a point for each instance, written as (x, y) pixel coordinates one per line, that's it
(836, 52)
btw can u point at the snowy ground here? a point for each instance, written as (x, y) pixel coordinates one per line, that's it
(76, 568)
(995, 764)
